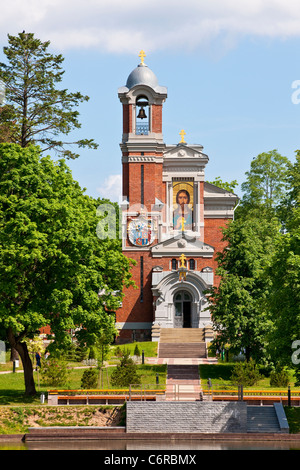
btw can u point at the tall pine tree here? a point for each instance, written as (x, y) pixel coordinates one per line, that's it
(36, 111)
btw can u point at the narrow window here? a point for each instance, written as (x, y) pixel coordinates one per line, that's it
(192, 264)
(142, 185)
(141, 279)
(174, 264)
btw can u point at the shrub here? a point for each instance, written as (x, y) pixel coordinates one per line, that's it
(89, 379)
(137, 351)
(126, 372)
(54, 372)
(118, 351)
(279, 377)
(76, 353)
(245, 373)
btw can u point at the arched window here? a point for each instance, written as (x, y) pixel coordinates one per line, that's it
(183, 296)
(142, 115)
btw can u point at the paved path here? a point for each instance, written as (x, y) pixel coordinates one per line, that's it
(180, 361)
(183, 382)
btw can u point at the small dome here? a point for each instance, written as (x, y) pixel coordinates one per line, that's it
(142, 75)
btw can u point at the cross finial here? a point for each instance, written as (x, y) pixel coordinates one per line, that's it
(142, 55)
(182, 260)
(182, 134)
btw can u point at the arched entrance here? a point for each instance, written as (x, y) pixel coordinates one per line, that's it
(183, 309)
(166, 287)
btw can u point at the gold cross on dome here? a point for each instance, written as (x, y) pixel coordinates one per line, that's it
(182, 134)
(142, 55)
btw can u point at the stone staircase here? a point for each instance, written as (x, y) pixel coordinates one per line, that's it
(181, 335)
(183, 383)
(262, 419)
(182, 343)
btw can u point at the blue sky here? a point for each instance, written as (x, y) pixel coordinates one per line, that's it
(229, 68)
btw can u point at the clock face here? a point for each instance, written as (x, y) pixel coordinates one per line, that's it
(141, 231)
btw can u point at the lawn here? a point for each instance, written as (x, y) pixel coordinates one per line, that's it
(12, 387)
(220, 377)
(12, 384)
(293, 417)
(148, 347)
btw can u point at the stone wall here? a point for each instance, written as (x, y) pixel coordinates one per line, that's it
(180, 417)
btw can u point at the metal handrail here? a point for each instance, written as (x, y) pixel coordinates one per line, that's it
(133, 389)
(263, 393)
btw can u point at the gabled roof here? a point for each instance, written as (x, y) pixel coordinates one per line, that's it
(186, 244)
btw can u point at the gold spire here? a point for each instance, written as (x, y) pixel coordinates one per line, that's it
(182, 134)
(142, 55)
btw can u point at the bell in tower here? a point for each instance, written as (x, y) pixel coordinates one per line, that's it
(142, 98)
(142, 128)
(142, 143)
(142, 114)
(142, 102)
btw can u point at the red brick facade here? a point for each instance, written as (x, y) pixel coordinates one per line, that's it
(154, 174)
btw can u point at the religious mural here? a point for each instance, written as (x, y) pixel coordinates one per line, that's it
(183, 205)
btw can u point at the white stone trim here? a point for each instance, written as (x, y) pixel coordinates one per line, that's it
(166, 284)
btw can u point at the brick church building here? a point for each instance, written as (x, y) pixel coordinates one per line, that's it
(172, 218)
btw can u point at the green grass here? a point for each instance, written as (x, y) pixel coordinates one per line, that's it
(293, 417)
(149, 348)
(220, 377)
(12, 387)
(12, 384)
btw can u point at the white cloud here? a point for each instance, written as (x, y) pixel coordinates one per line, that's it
(117, 26)
(111, 188)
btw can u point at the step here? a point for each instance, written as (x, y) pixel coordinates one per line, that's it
(262, 419)
(183, 371)
(183, 383)
(181, 335)
(182, 350)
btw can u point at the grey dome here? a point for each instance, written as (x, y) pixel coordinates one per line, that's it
(142, 75)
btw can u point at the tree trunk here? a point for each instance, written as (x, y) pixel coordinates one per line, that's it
(26, 361)
(247, 353)
(28, 369)
(14, 355)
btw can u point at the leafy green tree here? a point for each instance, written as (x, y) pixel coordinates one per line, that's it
(284, 300)
(266, 181)
(52, 264)
(228, 186)
(291, 199)
(36, 111)
(238, 303)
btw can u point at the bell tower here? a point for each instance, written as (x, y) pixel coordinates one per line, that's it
(142, 139)
(171, 218)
